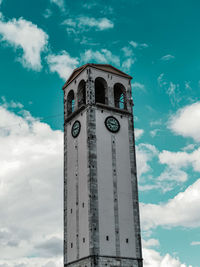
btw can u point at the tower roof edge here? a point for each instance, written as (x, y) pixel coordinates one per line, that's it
(104, 67)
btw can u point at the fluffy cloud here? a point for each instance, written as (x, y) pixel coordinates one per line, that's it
(186, 121)
(126, 64)
(153, 258)
(31, 161)
(144, 154)
(181, 159)
(87, 23)
(62, 63)
(138, 133)
(101, 56)
(182, 210)
(25, 35)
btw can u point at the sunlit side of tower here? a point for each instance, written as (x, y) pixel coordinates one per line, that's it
(101, 211)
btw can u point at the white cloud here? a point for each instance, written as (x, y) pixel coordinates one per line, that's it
(25, 35)
(138, 45)
(187, 85)
(167, 57)
(127, 51)
(195, 243)
(182, 210)
(59, 3)
(172, 89)
(154, 132)
(189, 147)
(32, 262)
(87, 23)
(138, 133)
(133, 44)
(181, 159)
(161, 80)
(150, 243)
(62, 63)
(173, 174)
(139, 86)
(153, 258)
(126, 64)
(144, 154)
(31, 162)
(186, 121)
(101, 56)
(47, 13)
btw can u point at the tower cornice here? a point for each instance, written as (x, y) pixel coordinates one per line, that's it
(103, 67)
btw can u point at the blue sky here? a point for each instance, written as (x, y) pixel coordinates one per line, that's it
(157, 42)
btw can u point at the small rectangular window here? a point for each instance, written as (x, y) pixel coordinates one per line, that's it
(83, 239)
(107, 238)
(126, 240)
(71, 245)
(83, 204)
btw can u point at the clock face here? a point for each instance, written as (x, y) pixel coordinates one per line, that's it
(112, 124)
(76, 127)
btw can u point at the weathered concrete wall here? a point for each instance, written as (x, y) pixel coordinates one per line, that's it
(103, 261)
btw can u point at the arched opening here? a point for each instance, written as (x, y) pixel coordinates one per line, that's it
(101, 91)
(119, 96)
(81, 93)
(70, 102)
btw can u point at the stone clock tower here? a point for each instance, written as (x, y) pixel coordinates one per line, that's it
(101, 212)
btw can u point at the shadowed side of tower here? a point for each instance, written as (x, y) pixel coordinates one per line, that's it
(101, 211)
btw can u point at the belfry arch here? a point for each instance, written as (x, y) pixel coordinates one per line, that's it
(101, 91)
(81, 93)
(120, 96)
(70, 102)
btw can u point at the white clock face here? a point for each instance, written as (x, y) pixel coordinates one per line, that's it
(76, 127)
(112, 124)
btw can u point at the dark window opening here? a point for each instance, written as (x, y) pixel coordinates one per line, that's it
(71, 245)
(83, 205)
(100, 91)
(83, 239)
(82, 93)
(119, 96)
(107, 238)
(70, 102)
(126, 240)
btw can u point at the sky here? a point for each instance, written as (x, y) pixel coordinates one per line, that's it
(157, 42)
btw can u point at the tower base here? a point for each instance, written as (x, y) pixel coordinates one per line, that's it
(105, 261)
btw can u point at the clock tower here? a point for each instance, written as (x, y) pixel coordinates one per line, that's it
(101, 211)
